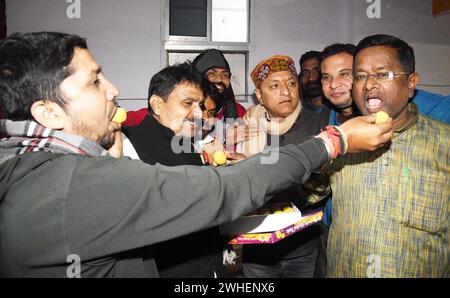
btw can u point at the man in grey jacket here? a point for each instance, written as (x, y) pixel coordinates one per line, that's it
(68, 208)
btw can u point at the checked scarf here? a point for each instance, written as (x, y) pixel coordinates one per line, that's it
(29, 136)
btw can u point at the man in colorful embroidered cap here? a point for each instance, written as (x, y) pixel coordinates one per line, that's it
(282, 121)
(390, 207)
(69, 209)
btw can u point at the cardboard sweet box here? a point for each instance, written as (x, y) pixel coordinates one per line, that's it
(269, 224)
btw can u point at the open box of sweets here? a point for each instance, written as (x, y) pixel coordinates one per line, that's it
(269, 224)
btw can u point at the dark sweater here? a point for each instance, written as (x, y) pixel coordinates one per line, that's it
(105, 210)
(152, 141)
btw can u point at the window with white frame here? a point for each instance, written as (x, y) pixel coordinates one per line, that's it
(229, 21)
(195, 25)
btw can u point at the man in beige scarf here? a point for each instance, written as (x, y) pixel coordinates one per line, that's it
(282, 121)
(279, 113)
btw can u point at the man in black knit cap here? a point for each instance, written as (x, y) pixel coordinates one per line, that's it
(213, 66)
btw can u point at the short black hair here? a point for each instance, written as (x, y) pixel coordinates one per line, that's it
(165, 81)
(405, 53)
(309, 55)
(32, 67)
(337, 48)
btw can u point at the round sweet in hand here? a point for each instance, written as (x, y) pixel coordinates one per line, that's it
(120, 116)
(219, 158)
(381, 117)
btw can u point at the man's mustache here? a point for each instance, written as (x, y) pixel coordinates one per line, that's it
(313, 84)
(313, 89)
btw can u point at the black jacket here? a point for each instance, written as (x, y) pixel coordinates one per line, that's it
(153, 143)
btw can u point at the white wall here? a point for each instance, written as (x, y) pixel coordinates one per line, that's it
(125, 36)
(292, 27)
(433, 65)
(412, 21)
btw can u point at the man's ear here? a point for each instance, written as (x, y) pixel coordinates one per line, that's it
(259, 97)
(48, 114)
(413, 81)
(156, 103)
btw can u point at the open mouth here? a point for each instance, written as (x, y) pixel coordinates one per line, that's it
(220, 87)
(374, 104)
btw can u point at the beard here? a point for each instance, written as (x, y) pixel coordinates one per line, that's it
(222, 97)
(227, 102)
(313, 89)
(222, 89)
(105, 139)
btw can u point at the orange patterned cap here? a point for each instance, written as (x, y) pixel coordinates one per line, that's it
(270, 65)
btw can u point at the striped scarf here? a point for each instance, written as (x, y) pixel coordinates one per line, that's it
(29, 136)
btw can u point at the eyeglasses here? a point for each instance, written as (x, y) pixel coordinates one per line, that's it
(378, 76)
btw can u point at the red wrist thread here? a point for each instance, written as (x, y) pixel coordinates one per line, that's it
(332, 136)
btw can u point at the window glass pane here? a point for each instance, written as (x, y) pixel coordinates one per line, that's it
(229, 20)
(238, 73)
(188, 17)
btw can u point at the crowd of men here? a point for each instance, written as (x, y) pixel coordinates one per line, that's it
(146, 198)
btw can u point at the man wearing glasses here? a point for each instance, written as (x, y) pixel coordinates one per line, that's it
(336, 65)
(390, 206)
(337, 79)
